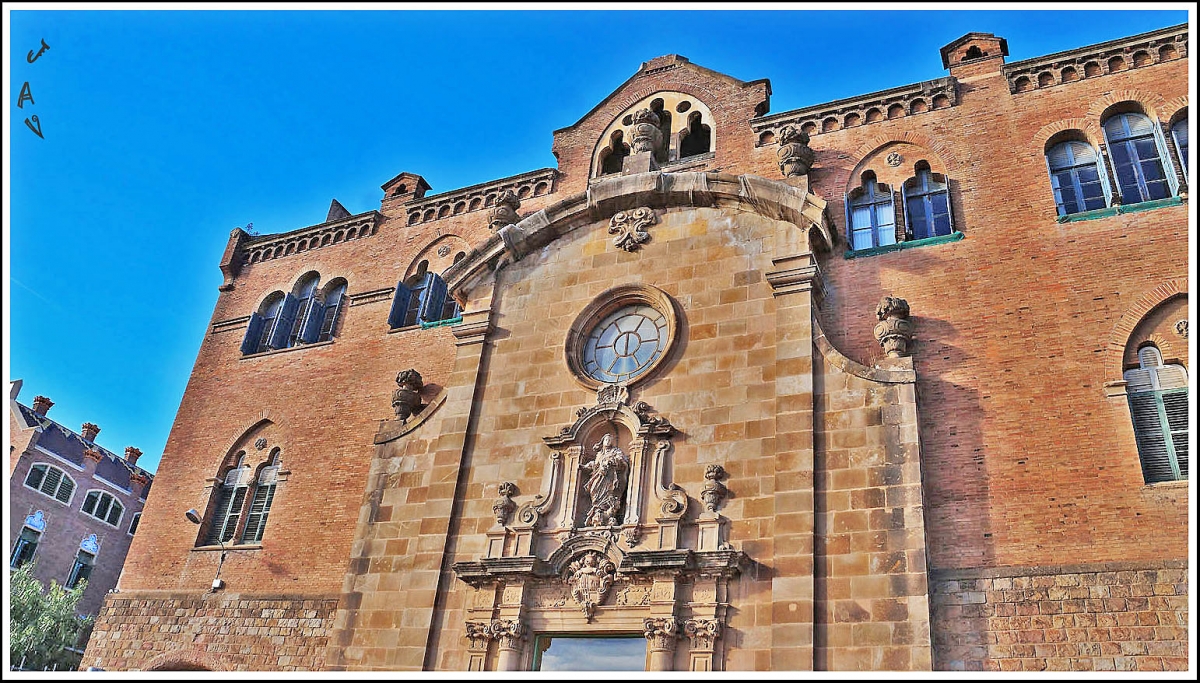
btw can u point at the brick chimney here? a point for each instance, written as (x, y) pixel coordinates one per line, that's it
(89, 431)
(41, 405)
(132, 453)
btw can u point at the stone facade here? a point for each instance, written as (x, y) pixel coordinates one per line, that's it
(807, 457)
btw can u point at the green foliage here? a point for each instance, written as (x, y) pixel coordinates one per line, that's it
(43, 623)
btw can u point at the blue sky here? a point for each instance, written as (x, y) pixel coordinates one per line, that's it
(164, 130)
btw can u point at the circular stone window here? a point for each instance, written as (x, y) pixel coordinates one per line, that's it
(621, 336)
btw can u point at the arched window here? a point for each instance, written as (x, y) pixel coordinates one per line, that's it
(103, 506)
(262, 325)
(27, 542)
(1076, 177)
(260, 503)
(82, 569)
(51, 481)
(422, 299)
(305, 293)
(871, 214)
(697, 139)
(328, 309)
(309, 314)
(1158, 404)
(133, 525)
(614, 159)
(927, 204)
(1179, 133)
(1139, 159)
(227, 503)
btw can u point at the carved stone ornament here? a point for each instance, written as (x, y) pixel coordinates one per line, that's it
(608, 474)
(895, 330)
(480, 634)
(795, 156)
(509, 632)
(714, 491)
(260, 443)
(89, 544)
(894, 159)
(702, 632)
(407, 398)
(1181, 328)
(590, 577)
(629, 227)
(443, 250)
(661, 632)
(505, 211)
(646, 134)
(504, 505)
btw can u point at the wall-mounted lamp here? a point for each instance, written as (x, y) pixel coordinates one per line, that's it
(193, 516)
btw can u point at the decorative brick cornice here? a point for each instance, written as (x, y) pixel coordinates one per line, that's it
(941, 93)
(480, 197)
(306, 239)
(1134, 52)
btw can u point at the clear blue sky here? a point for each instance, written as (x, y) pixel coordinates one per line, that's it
(164, 130)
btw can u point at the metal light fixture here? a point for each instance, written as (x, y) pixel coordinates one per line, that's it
(194, 517)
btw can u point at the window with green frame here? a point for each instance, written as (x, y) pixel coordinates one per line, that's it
(1158, 405)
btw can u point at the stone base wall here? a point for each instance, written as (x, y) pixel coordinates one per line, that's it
(1105, 617)
(219, 632)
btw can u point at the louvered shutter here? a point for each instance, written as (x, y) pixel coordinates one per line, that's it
(1151, 441)
(114, 515)
(36, 474)
(260, 508)
(235, 513)
(329, 321)
(1165, 158)
(220, 512)
(313, 322)
(849, 221)
(253, 334)
(399, 305)
(435, 299)
(65, 489)
(53, 479)
(1176, 408)
(284, 323)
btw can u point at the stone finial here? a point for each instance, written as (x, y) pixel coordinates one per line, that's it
(42, 405)
(795, 156)
(647, 136)
(505, 211)
(504, 505)
(407, 398)
(895, 330)
(714, 491)
(89, 431)
(132, 453)
(93, 454)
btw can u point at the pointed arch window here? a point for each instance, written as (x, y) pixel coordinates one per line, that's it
(1158, 405)
(927, 204)
(871, 214)
(1139, 158)
(1077, 178)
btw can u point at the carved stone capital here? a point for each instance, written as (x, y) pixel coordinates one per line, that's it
(702, 632)
(407, 398)
(505, 211)
(714, 491)
(479, 634)
(795, 156)
(504, 505)
(895, 330)
(630, 227)
(509, 633)
(662, 632)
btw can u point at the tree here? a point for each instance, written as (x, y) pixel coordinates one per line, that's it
(42, 624)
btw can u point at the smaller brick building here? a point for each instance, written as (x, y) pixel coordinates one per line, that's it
(74, 506)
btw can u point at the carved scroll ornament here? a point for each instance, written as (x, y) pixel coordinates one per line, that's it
(630, 227)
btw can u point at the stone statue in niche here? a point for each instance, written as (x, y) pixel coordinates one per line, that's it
(407, 399)
(590, 577)
(606, 483)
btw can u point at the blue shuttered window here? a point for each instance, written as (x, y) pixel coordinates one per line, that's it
(1138, 154)
(283, 325)
(871, 215)
(927, 205)
(332, 308)
(1077, 178)
(425, 301)
(1179, 132)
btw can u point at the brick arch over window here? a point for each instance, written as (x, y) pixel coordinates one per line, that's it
(1172, 107)
(893, 176)
(189, 659)
(1114, 354)
(1153, 104)
(437, 262)
(939, 148)
(1089, 127)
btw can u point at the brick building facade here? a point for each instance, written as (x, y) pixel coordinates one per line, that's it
(855, 386)
(74, 506)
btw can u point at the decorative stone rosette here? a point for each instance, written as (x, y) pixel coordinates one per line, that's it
(795, 156)
(895, 330)
(630, 227)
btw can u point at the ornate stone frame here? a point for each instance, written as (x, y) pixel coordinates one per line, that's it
(607, 302)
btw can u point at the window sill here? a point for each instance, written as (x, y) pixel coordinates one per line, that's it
(1159, 485)
(298, 347)
(910, 244)
(1120, 209)
(426, 326)
(210, 548)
